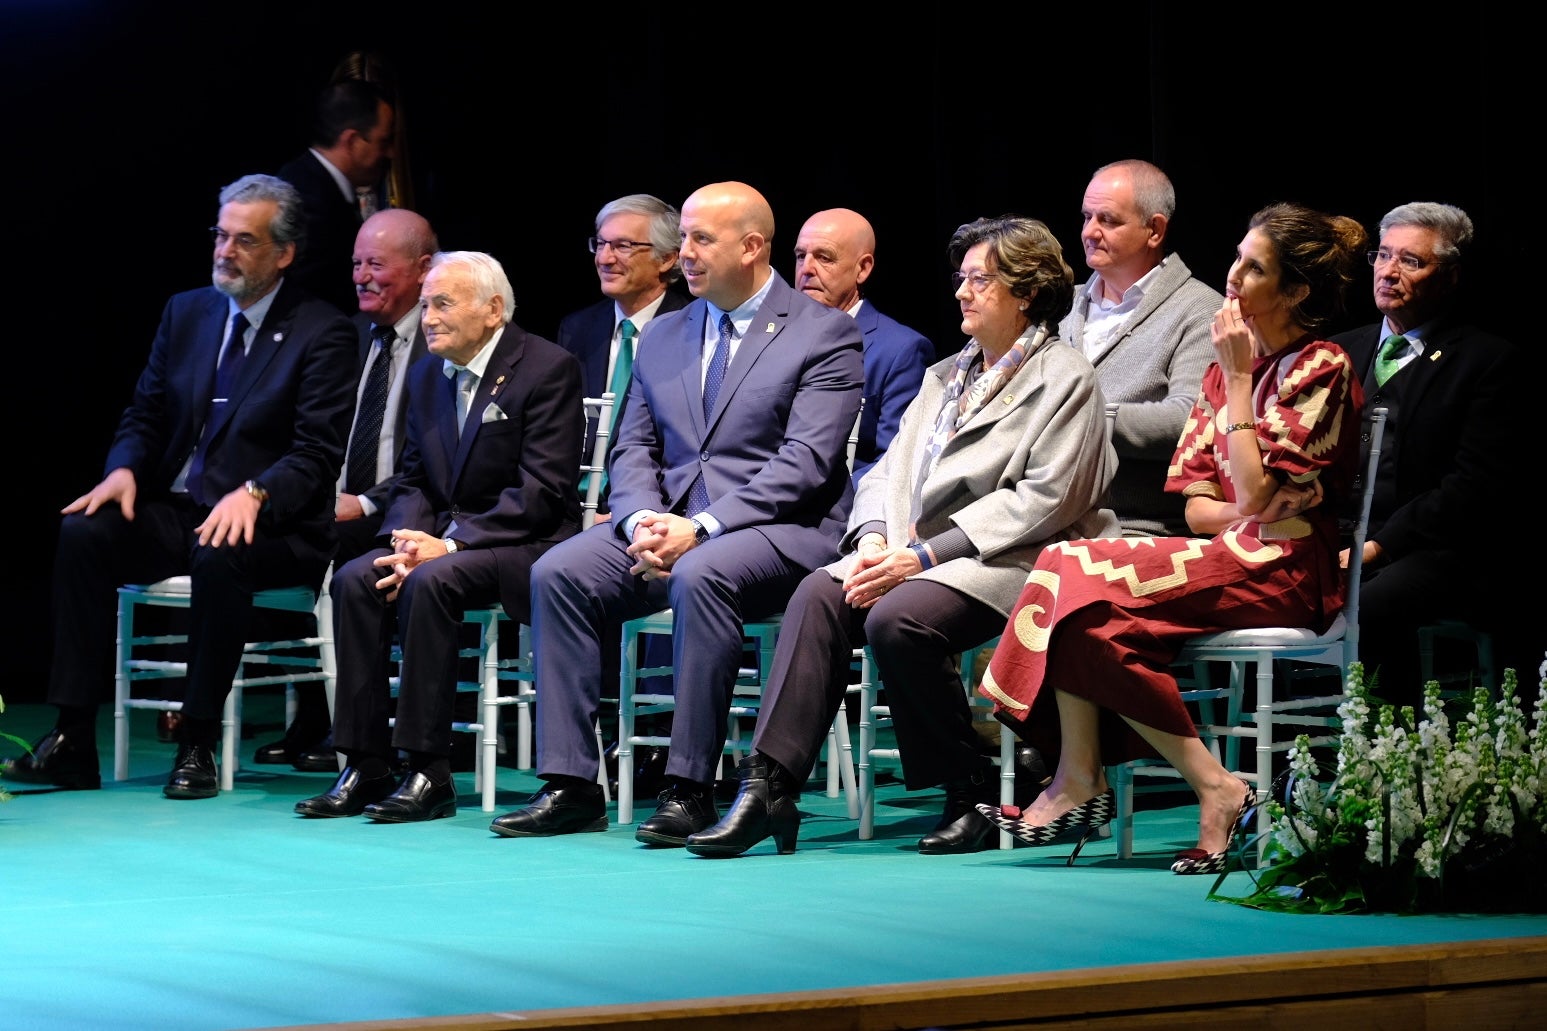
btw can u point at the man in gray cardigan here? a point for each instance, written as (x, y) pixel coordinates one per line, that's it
(1143, 321)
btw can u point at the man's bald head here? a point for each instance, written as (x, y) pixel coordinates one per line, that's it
(391, 258)
(834, 255)
(727, 229)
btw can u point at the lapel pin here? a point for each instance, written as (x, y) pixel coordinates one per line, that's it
(1434, 356)
(278, 337)
(1009, 398)
(496, 388)
(770, 328)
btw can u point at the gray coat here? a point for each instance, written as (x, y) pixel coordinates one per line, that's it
(1153, 372)
(1028, 470)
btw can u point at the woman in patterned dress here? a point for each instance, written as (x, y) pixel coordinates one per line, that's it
(1264, 462)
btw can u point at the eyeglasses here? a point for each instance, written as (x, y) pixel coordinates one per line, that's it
(978, 280)
(1409, 262)
(622, 248)
(244, 241)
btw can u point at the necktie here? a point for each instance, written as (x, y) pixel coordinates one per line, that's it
(717, 364)
(623, 368)
(698, 494)
(365, 197)
(365, 441)
(231, 361)
(1386, 363)
(466, 383)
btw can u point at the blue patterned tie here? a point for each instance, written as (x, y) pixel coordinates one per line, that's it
(698, 494)
(231, 360)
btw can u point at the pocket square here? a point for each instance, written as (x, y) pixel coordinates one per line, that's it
(494, 413)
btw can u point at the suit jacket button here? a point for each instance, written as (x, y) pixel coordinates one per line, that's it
(703, 456)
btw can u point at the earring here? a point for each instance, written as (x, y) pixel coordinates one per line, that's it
(1023, 307)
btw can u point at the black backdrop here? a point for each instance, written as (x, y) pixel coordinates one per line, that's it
(124, 119)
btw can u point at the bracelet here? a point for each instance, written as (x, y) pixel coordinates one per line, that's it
(1249, 424)
(922, 551)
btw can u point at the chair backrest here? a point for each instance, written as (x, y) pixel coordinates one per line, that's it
(853, 448)
(1361, 531)
(595, 464)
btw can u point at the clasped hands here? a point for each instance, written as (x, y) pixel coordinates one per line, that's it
(877, 569)
(410, 549)
(660, 539)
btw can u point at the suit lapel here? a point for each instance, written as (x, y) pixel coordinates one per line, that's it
(692, 378)
(497, 377)
(767, 323)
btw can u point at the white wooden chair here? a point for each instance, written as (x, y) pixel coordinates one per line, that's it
(140, 657)
(1250, 655)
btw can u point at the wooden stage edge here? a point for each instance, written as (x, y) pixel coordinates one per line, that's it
(1482, 985)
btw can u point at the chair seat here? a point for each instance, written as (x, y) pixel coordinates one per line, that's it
(291, 599)
(1271, 637)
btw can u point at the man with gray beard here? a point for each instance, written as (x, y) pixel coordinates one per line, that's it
(223, 468)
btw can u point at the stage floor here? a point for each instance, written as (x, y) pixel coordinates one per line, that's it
(124, 910)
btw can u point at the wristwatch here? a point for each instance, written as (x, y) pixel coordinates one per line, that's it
(700, 532)
(451, 545)
(256, 489)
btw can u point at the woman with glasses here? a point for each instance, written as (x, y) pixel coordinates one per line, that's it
(1266, 457)
(1003, 450)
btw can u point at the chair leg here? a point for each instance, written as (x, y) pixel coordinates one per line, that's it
(230, 721)
(628, 677)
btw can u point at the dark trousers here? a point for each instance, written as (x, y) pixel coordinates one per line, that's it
(915, 632)
(99, 553)
(426, 617)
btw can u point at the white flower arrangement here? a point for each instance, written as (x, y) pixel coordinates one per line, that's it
(1429, 814)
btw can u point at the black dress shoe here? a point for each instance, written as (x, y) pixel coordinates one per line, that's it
(320, 758)
(417, 798)
(193, 773)
(650, 770)
(765, 806)
(297, 740)
(349, 795)
(684, 808)
(556, 809)
(60, 760)
(962, 828)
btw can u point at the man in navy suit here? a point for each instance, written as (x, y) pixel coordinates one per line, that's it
(391, 259)
(487, 486)
(353, 139)
(225, 476)
(1449, 487)
(717, 515)
(834, 256)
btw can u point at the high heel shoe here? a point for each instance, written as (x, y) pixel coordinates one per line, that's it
(1196, 861)
(1088, 817)
(766, 805)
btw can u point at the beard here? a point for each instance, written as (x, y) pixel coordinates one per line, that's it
(237, 286)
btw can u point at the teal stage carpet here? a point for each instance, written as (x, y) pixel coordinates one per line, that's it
(123, 910)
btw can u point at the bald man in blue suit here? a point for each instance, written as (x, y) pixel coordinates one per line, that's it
(717, 516)
(834, 256)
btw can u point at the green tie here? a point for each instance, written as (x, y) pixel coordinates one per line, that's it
(622, 368)
(1386, 363)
